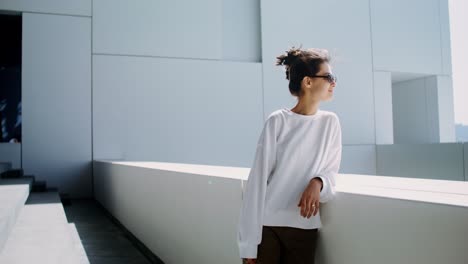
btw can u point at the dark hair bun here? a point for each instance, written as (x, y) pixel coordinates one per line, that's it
(289, 58)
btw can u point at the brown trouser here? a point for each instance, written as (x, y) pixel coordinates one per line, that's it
(284, 245)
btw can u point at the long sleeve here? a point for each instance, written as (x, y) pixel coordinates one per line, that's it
(251, 214)
(332, 165)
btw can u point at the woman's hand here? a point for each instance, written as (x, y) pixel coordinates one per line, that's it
(310, 197)
(249, 261)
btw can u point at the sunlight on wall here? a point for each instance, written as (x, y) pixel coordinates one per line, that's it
(458, 10)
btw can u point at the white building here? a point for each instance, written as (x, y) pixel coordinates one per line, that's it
(193, 81)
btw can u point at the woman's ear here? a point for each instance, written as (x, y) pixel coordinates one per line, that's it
(307, 80)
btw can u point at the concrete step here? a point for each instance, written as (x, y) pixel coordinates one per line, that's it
(41, 234)
(12, 173)
(98, 239)
(13, 195)
(25, 180)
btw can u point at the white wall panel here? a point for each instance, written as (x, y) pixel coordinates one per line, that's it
(444, 22)
(358, 159)
(11, 152)
(241, 30)
(432, 108)
(56, 94)
(406, 36)
(429, 161)
(383, 107)
(423, 110)
(191, 111)
(446, 110)
(410, 114)
(75, 7)
(184, 29)
(330, 25)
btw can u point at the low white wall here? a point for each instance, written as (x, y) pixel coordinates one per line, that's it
(188, 213)
(182, 217)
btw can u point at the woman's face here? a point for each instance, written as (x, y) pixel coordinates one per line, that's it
(321, 87)
(328, 88)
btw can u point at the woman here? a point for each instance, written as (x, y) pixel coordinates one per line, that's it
(297, 158)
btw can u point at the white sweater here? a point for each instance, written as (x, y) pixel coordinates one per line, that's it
(291, 150)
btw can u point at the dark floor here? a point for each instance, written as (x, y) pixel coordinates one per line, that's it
(98, 238)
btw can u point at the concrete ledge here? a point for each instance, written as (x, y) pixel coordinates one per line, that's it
(12, 199)
(41, 233)
(183, 211)
(18, 181)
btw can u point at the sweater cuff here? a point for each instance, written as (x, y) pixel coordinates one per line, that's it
(248, 251)
(324, 186)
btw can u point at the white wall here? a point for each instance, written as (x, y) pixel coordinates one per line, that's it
(423, 110)
(210, 29)
(412, 113)
(446, 110)
(413, 44)
(446, 38)
(56, 95)
(359, 159)
(241, 30)
(406, 36)
(185, 29)
(139, 49)
(11, 152)
(157, 98)
(383, 107)
(443, 161)
(192, 111)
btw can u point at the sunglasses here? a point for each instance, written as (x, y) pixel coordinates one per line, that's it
(331, 78)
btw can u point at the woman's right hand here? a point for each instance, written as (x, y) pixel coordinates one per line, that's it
(249, 261)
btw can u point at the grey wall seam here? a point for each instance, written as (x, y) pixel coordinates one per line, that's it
(22, 101)
(92, 109)
(373, 83)
(166, 57)
(221, 55)
(437, 106)
(260, 31)
(350, 145)
(261, 61)
(55, 14)
(426, 111)
(464, 162)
